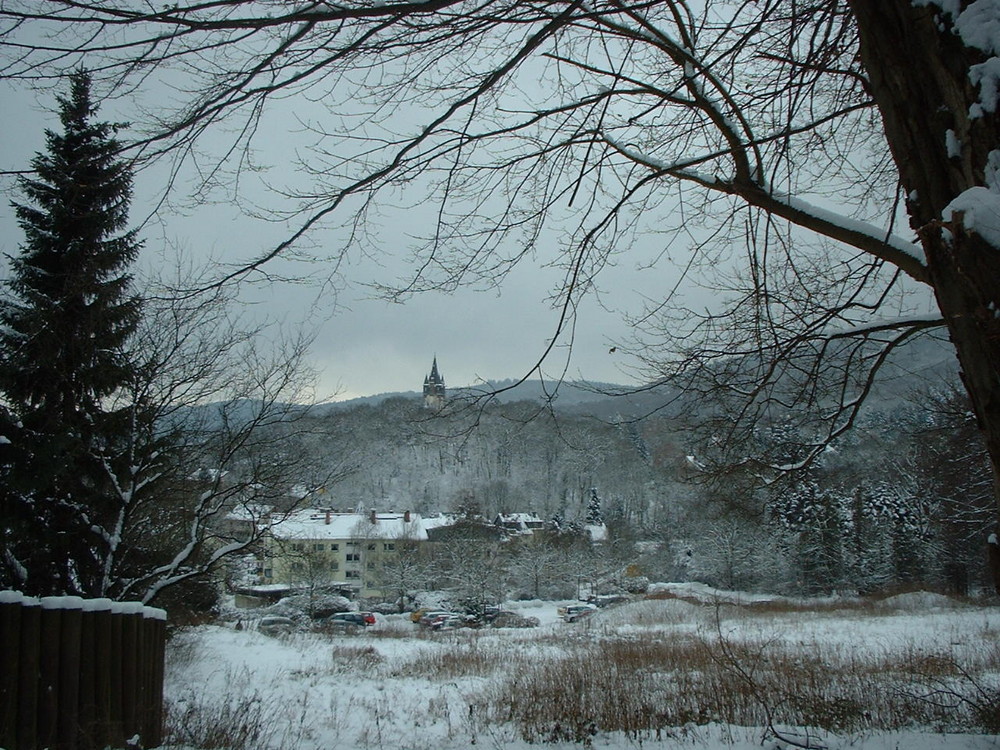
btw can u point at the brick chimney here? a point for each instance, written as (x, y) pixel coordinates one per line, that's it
(372, 518)
(406, 516)
(328, 517)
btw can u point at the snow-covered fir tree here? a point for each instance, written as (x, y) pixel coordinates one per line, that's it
(594, 515)
(67, 317)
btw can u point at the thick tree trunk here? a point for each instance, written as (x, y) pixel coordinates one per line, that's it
(919, 73)
(965, 271)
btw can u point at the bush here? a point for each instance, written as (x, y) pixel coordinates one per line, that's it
(190, 602)
(514, 620)
(636, 584)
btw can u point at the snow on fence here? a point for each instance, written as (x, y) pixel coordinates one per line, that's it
(79, 673)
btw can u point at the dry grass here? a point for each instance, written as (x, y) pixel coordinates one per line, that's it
(243, 722)
(648, 669)
(466, 657)
(568, 684)
(351, 657)
(647, 686)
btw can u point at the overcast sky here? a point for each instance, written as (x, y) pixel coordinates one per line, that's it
(363, 345)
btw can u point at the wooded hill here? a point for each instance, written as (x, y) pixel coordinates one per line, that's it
(903, 497)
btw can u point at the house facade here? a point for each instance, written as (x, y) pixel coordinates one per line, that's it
(344, 551)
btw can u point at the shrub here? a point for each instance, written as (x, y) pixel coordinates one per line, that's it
(238, 723)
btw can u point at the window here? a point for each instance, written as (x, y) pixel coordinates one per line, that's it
(297, 567)
(334, 547)
(319, 547)
(353, 557)
(352, 574)
(388, 546)
(371, 566)
(335, 565)
(298, 547)
(268, 572)
(371, 547)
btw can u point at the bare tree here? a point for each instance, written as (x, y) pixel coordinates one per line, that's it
(731, 553)
(477, 574)
(949, 465)
(539, 568)
(310, 569)
(797, 131)
(227, 413)
(404, 569)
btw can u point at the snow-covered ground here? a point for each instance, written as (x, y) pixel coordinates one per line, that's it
(399, 686)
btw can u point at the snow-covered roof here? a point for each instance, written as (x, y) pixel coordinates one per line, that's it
(694, 462)
(597, 532)
(321, 524)
(438, 520)
(522, 522)
(250, 512)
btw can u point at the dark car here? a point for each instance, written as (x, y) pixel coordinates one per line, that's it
(275, 625)
(351, 620)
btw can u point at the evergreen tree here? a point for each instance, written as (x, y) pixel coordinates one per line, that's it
(594, 516)
(67, 318)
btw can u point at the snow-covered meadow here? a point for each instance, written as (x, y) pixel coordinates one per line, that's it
(694, 668)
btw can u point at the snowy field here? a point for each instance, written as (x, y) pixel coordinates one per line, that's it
(694, 669)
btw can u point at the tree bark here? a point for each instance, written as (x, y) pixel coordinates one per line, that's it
(918, 69)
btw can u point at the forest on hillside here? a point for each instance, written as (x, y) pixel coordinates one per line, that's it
(901, 500)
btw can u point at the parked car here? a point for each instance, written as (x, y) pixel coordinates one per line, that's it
(481, 613)
(576, 612)
(275, 625)
(449, 621)
(430, 615)
(418, 614)
(351, 620)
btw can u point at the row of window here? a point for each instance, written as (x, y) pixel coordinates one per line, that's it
(334, 547)
(298, 567)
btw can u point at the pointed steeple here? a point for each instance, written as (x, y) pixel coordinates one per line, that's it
(434, 391)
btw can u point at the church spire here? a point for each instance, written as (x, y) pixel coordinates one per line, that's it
(434, 391)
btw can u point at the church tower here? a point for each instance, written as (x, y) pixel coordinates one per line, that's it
(434, 395)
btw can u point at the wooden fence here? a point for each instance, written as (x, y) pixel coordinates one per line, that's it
(77, 674)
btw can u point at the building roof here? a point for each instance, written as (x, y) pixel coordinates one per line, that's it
(322, 524)
(522, 523)
(598, 532)
(435, 376)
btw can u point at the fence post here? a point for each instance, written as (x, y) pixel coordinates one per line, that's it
(142, 665)
(48, 693)
(130, 616)
(95, 681)
(156, 628)
(28, 675)
(69, 671)
(11, 604)
(116, 727)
